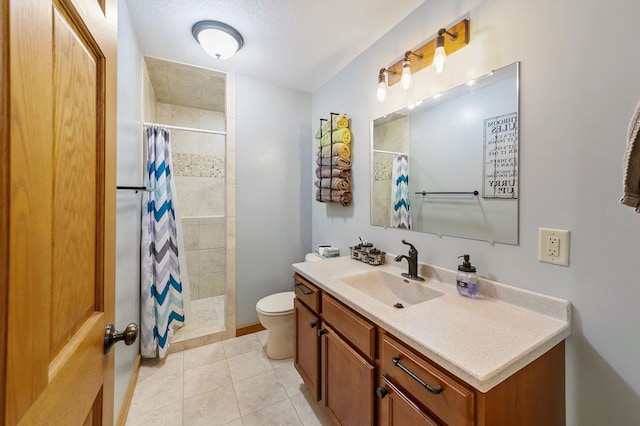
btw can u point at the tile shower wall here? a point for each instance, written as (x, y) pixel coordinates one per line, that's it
(392, 136)
(199, 170)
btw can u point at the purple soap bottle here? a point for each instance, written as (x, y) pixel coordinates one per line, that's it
(467, 280)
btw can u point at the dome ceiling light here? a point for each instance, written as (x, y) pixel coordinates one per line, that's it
(218, 39)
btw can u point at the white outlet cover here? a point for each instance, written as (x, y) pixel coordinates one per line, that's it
(563, 246)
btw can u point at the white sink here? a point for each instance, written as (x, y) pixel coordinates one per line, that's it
(390, 289)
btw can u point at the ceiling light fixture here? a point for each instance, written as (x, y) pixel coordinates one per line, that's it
(432, 52)
(218, 39)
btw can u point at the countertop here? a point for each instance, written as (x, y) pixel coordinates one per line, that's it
(482, 341)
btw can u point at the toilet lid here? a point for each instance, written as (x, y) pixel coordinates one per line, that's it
(276, 303)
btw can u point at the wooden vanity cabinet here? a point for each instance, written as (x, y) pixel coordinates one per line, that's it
(307, 346)
(348, 380)
(343, 367)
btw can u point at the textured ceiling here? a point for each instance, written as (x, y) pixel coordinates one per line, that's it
(299, 44)
(185, 85)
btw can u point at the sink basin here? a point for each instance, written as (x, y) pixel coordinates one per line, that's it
(390, 289)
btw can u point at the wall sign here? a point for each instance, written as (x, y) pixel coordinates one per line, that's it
(500, 171)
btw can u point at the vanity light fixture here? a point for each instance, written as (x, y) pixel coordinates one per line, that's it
(440, 57)
(381, 94)
(218, 39)
(432, 52)
(406, 79)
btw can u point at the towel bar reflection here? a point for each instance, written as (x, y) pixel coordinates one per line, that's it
(447, 193)
(136, 188)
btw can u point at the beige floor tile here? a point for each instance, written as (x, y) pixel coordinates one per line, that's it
(255, 393)
(216, 407)
(241, 345)
(290, 379)
(170, 415)
(171, 364)
(248, 365)
(203, 355)
(156, 393)
(206, 378)
(280, 414)
(309, 410)
(236, 422)
(262, 336)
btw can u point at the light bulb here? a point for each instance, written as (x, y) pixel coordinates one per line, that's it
(439, 59)
(405, 80)
(382, 90)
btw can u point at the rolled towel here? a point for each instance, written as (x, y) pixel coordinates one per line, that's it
(325, 195)
(339, 162)
(339, 136)
(340, 184)
(328, 171)
(339, 149)
(339, 122)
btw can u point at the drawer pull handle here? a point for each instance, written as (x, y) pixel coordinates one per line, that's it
(313, 324)
(302, 289)
(432, 389)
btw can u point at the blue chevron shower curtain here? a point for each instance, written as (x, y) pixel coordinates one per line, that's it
(400, 214)
(162, 308)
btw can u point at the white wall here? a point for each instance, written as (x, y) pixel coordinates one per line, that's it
(128, 207)
(273, 190)
(574, 113)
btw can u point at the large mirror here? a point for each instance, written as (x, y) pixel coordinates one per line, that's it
(449, 164)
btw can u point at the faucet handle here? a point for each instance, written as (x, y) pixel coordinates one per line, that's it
(410, 245)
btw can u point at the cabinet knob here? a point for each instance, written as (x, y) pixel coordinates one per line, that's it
(381, 392)
(321, 332)
(313, 324)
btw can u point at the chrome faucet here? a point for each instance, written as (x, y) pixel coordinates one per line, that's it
(412, 259)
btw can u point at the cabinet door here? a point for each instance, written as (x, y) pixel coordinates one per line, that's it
(395, 408)
(307, 350)
(347, 382)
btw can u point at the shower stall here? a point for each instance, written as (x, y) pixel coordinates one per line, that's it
(191, 103)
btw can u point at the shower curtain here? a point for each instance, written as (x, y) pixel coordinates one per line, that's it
(400, 214)
(162, 310)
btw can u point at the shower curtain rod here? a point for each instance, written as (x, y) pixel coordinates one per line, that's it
(187, 129)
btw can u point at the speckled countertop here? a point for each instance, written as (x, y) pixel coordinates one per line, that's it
(482, 341)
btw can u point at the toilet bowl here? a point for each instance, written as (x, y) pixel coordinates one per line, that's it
(275, 313)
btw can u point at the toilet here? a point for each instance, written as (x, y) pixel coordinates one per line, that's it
(275, 313)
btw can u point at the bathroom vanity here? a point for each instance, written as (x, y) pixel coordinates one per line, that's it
(439, 359)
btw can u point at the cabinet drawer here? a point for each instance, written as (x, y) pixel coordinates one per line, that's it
(448, 399)
(357, 330)
(307, 293)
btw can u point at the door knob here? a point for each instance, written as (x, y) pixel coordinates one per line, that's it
(111, 336)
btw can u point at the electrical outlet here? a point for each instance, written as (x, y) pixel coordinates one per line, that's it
(553, 246)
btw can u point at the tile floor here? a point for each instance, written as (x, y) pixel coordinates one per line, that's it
(207, 317)
(225, 383)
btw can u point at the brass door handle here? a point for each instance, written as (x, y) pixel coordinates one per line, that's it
(111, 336)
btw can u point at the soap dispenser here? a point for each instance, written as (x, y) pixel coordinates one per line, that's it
(467, 280)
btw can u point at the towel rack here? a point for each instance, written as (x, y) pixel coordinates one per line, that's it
(447, 193)
(136, 188)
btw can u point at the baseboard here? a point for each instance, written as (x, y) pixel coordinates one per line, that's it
(124, 411)
(248, 329)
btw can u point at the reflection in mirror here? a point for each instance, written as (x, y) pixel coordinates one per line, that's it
(449, 164)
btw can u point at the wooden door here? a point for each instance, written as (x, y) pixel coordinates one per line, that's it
(347, 382)
(307, 350)
(58, 210)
